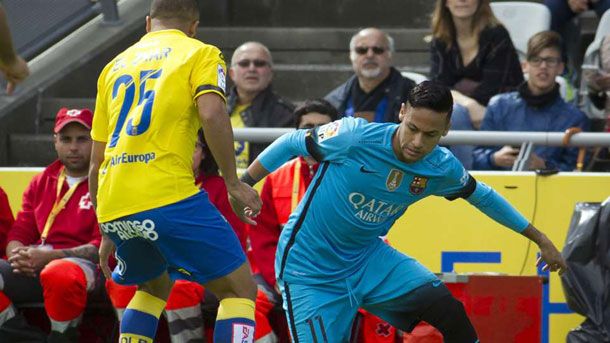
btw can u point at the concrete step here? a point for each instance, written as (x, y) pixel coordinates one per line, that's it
(289, 46)
(290, 39)
(317, 13)
(300, 82)
(50, 105)
(30, 150)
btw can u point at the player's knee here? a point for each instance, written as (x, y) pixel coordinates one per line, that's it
(159, 287)
(449, 316)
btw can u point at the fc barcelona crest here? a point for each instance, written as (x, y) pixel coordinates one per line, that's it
(394, 180)
(418, 185)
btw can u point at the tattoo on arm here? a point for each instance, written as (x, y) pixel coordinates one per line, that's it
(86, 251)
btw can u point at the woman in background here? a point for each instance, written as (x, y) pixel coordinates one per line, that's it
(472, 53)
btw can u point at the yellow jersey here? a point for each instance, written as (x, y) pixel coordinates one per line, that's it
(146, 114)
(242, 148)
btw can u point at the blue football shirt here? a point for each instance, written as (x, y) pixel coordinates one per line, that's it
(359, 191)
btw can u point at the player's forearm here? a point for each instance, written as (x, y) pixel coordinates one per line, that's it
(496, 207)
(85, 251)
(7, 52)
(283, 149)
(254, 173)
(219, 136)
(535, 235)
(93, 174)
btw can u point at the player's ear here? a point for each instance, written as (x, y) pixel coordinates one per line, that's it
(148, 24)
(403, 111)
(193, 29)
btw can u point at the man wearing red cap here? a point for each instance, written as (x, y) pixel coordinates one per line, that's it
(52, 246)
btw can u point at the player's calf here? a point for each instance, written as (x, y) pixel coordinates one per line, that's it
(448, 316)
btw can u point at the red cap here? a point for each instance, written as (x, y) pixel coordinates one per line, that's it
(66, 116)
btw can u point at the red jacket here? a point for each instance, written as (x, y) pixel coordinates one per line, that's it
(215, 186)
(277, 206)
(75, 225)
(6, 221)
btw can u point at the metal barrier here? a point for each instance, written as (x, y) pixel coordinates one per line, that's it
(486, 138)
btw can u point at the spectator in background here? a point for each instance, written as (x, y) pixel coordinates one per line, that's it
(377, 89)
(53, 245)
(13, 67)
(183, 309)
(251, 102)
(472, 53)
(535, 106)
(6, 221)
(562, 11)
(597, 81)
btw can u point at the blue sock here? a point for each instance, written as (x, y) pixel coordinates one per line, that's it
(140, 318)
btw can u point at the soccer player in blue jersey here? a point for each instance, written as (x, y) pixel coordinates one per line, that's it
(330, 260)
(151, 100)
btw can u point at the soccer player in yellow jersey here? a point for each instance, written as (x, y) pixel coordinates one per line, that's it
(151, 100)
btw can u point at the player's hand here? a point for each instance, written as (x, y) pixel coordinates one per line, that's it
(15, 72)
(505, 157)
(551, 257)
(106, 248)
(245, 202)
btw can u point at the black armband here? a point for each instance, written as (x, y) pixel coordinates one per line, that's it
(465, 192)
(310, 145)
(247, 179)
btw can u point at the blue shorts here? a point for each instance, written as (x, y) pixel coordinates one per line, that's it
(389, 284)
(189, 239)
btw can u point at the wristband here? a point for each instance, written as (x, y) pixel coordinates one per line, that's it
(247, 179)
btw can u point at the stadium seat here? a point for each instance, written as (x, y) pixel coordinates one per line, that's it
(522, 20)
(416, 77)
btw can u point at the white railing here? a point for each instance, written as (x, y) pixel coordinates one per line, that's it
(261, 135)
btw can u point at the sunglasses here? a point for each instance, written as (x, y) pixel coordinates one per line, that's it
(377, 50)
(257, 63)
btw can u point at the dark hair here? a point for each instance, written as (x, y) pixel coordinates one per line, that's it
(316, 105)
(443, 27)
(543, 40)
(208, 165)
(432, 95)
(180, 10)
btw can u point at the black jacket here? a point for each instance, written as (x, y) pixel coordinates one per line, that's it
(397, 89)
(267, 110)
(496, 67)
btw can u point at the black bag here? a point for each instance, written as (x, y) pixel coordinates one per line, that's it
(586, 283)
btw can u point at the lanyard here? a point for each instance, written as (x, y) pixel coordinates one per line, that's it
(296, 182)
(59, 204)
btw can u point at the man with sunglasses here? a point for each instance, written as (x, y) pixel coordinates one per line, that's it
(376, 89)
(251, 102)
(535, 106)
